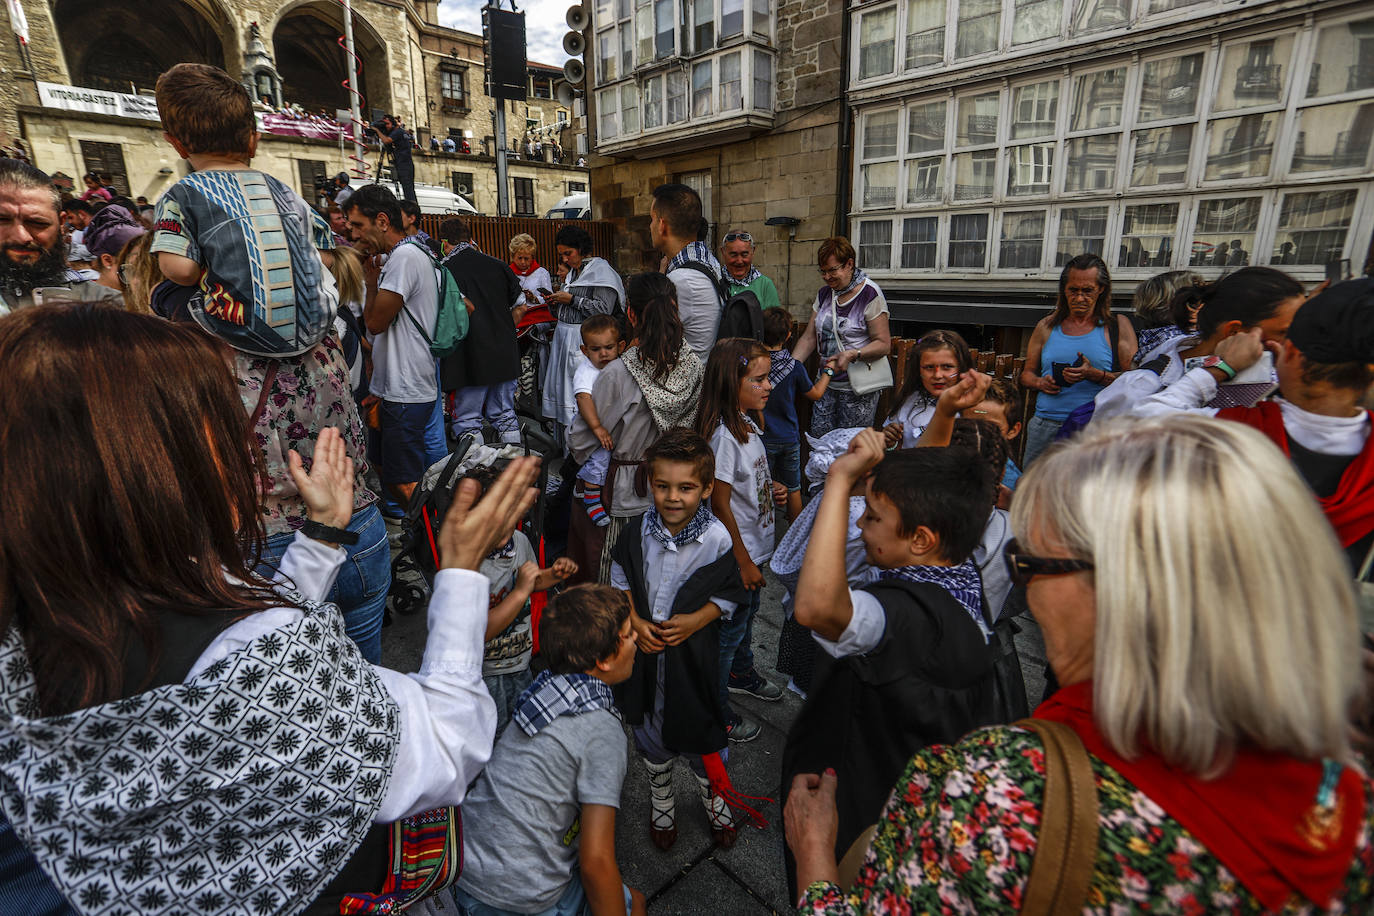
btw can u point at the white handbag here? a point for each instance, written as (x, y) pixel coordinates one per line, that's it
(865, 376)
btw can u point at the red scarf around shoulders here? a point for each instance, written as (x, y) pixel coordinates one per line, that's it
(1261, 819)
(534, 265)
(1350, 509)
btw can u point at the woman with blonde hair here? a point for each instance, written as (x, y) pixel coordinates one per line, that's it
(1216, 733)
(139, 274)
(347, 268)
(1154, 316)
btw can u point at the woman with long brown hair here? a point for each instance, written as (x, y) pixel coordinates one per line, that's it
(653, 387)
(178, 724)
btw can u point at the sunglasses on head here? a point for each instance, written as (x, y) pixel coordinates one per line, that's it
(738, 237)
(1022, 567)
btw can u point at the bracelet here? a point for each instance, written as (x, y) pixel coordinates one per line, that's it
(1226, 369)
(320, 532)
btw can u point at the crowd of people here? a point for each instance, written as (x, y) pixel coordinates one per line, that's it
(203, 460)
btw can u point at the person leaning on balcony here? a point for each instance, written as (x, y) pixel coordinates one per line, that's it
(849, 321)
(1070, 356)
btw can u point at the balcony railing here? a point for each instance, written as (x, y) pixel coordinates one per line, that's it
(1259, 81)
(981, 128)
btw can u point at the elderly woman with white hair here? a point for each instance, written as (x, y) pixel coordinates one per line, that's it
(1207, 666)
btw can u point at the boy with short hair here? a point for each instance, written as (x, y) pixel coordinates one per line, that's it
(246, 242)
(601, 344)
(781, 434)
(1002, 405)
(513, 575)
(539, 823)
(909, 651)
(676, 563)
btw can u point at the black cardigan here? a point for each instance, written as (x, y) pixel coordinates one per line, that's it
(693, 721)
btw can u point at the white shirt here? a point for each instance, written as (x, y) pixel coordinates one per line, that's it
(536, 280)
(1314, 432)
(866, 627)
(744, 466)
(915, 415)
(584, 376)
(667, 567)
(698, 305)
(403, 368)
(448, 719)
(992, 569)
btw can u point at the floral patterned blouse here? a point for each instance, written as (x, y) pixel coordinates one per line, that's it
(959, 833)
(309, 392)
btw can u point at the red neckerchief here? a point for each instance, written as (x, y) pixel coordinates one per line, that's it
(534, 265)
(1350, 509)
(1261, 819)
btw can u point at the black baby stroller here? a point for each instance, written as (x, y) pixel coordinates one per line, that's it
(414, 566)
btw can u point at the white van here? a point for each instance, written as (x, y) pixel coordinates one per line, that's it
(574, 206)
(434, 198)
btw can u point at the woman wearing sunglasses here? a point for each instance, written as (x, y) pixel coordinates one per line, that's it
(1206, 664)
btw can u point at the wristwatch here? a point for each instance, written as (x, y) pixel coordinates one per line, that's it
(326, 533)
(1216, 362)
(829, 371)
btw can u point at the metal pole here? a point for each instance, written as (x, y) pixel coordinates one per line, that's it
(353, 96)
(502, 192)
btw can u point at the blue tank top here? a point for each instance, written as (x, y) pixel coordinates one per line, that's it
(1064, 348)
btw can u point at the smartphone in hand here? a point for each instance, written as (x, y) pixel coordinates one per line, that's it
(546, 293)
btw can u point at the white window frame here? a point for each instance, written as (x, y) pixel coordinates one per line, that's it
(1001, 217)
(1263, 226)
(991, 213)
(1182, 230)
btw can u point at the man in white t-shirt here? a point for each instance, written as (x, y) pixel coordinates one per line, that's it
(674, 222)
(401, 308)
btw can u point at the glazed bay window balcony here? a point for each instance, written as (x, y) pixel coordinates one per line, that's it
(675, 72)
(684, 104)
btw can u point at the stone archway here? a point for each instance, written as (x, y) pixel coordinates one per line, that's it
(313, 65)
(124, 47)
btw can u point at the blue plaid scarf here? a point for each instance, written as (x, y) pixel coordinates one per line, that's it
(780, 363)
(553, 695)
(748, 278)
(693, 530)
(505, 550)
(697, 251)
(962, 583)
(461, 246)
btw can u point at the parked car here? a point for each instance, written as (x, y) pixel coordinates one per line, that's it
(574, 206)
(434, 198)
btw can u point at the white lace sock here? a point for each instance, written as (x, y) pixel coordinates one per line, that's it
(717, 811)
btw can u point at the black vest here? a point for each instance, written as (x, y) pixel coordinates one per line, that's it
(929, 681)
(693, 721)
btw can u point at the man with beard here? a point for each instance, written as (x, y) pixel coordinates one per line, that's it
(33, 262)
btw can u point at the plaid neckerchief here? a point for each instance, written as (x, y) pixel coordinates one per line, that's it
(505, 550)
(748, 278)
(695, 527)
(553, 695)
(457, 248)
(855, 283)
(780, 363)
(697, 251)
(962, 583)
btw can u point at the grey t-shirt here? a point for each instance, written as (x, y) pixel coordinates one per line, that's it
(521, 820)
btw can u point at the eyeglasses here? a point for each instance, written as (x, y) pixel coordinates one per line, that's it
(1022, 567)
(831, 271)
(738, 237)
(119, 272)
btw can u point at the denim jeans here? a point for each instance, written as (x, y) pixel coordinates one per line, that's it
(495, 403)
(784, 463)
(1040, 432)
(361, 586)
(736, 645)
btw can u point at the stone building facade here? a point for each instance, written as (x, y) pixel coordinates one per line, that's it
(82, 107)
(741, 100)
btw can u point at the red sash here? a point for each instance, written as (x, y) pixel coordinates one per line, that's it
(1261, 819)
(1350, 509)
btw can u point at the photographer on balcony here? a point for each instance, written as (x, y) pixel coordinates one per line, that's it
(396, 141)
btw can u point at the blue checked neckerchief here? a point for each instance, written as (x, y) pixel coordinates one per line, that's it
(697, 251)
(780, 363)
(553, 695)
(748, 278)
(962, 583)
(693, 530)
(455, 249)
(505, 550)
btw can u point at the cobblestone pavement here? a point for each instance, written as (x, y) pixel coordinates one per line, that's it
(694, 877)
